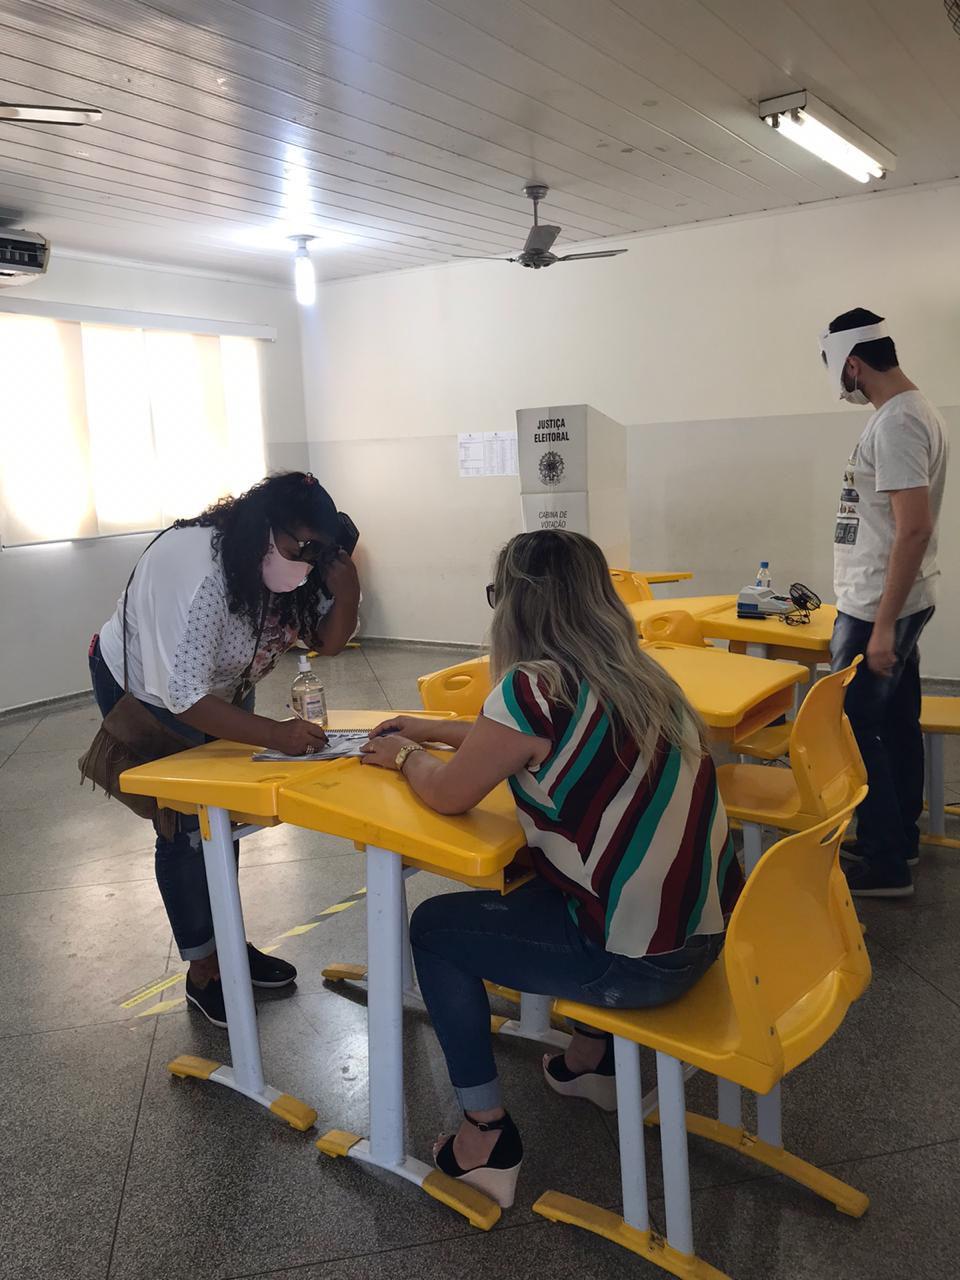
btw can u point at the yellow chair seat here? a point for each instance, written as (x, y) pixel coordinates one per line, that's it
(793, 962)
(940, 715)
(701, 1028)
(767, 744)
(767, 797)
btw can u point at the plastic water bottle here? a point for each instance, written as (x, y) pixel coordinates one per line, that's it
(763, 574)
(307, 696)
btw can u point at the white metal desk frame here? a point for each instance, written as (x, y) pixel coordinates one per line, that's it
(245, 1074)
(935, 785)
(389, 978)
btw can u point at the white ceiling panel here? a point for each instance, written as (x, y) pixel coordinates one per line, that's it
(401, 132)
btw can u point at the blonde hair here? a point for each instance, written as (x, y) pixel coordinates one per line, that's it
(558, 616)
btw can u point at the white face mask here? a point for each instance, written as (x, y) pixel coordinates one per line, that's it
(836, 347)
(856, 396)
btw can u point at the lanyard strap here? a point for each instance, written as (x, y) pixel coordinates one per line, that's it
(241, 693)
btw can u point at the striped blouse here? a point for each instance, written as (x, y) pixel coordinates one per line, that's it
(639, 844)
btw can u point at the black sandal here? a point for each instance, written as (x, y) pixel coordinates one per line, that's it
(498, 1177)
(598, 1086)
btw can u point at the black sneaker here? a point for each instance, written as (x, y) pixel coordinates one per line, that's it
(850, 852)
(209, 1000)
(865, 882)
(269, 971)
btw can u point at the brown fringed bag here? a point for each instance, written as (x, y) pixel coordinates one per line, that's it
(131, 735)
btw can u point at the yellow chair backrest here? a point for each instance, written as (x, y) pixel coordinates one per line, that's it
(794, 954)
(630, 587)
(824, 755)
(675, 625)
(461, 689)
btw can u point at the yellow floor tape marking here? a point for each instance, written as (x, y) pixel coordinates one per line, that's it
(300, 928)
(171, 980)
(165, 1006)
(153, 990)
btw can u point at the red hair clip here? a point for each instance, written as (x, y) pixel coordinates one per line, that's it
(310, 478)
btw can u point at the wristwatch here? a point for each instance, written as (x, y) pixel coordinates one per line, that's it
(404, 754)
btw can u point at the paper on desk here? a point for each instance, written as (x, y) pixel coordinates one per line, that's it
(341, 744)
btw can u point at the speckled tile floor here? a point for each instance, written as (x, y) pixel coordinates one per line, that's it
(112, 1171)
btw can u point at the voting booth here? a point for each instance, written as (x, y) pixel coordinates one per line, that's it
(573, 475)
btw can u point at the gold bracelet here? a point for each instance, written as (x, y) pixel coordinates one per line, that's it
(404, 754)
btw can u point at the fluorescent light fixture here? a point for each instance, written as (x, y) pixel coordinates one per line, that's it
(21, 113)
(304, 273)
(825, 133)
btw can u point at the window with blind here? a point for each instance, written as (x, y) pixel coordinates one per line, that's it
(107, 429)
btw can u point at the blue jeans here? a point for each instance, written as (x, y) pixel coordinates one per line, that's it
(884, 713)
(181, 874)
(526, 940)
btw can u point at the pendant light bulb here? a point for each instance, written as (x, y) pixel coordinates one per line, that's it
(304, 274)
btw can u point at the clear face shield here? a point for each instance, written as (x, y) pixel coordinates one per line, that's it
(836, 347)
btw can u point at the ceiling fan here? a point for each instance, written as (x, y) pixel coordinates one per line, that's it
(21, 113)
(536, 252)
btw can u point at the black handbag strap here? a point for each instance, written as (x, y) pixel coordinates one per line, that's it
(245, 674)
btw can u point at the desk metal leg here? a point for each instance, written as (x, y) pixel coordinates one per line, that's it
(937, 808)
(246, 1073)
(385, 1146)
(936, 823)
(357, 973)
(752, 846)
(534, 1022)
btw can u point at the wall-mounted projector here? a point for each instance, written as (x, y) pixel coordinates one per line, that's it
(24, 256)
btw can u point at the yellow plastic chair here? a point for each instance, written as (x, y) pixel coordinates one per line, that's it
(770, 743)
(793, 963)
(630, 587)
(938, 718)
(461, 689)
(675, 625)
(826, 769)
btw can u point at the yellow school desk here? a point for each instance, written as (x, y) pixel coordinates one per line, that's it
(769, 637)
(222, 784)
(696, 605)
(734, 694)
(655, 578)
(376, 809)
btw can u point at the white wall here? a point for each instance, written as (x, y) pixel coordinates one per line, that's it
(52, 598)
(705, 338)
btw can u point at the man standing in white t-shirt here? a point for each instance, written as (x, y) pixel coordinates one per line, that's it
(885, 572)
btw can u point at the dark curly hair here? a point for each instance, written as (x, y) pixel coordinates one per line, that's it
(286, 500)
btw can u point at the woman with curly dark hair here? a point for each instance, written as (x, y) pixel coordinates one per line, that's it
(213, 603)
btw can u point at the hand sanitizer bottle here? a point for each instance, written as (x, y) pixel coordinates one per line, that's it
(307, 697)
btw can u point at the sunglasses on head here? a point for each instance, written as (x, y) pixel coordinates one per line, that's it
(312, 552)
(325, 552)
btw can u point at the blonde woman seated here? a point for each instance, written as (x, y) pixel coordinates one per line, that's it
(617, 797)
